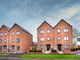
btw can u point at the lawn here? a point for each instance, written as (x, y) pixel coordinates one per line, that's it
(1, 55)
(50, 56)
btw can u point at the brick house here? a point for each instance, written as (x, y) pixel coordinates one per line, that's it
(45, 36)
(59, 37)
(17, 39)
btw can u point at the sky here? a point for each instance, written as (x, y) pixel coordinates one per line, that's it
(31, 13)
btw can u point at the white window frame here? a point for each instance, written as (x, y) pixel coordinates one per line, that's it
(48, 38)
(42, 46)
(66, 46)
(66, 29)
(48, 31)
(1, 33)
(58, 30)
(58, 38)
(17, 33)
(5, 33)
(41, 39)
(12, 40)
(5, 40)
(42, 32)
(0, 40)
(12, 33)
(18, 40)
(66, 38)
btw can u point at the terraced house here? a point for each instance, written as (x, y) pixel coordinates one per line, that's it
(58, 37)
(15, 39)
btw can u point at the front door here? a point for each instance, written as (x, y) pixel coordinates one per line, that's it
(59, 47)
(48, 46)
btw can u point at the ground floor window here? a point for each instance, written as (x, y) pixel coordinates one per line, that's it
(12, 47)
(66, 46)
(18, 47)
(42, 46)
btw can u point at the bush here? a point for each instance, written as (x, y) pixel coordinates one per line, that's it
(73, 49)
(52, 50)
(35, 50)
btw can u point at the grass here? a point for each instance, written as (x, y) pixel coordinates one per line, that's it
(50, 56)
(1, 55)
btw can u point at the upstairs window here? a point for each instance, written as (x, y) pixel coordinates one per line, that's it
(1, 33)
(66, 38)
(78, 39)
(17, 33)
(58, 38)
(0, 40)
(41, 39)
(48, 38)
(48, 31)
(5, 40)
(5, 33)
(17, 40)
(12, 33)
(58, 30)
(42, 32)
(65, 30)
(12, 40)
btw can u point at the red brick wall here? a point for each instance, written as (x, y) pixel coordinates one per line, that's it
(25, 39)
(61, 26)
(45, 27)
(3, 37)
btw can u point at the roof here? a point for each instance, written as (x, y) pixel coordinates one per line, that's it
(21, 28)
(43, 23)
(63, 21)
(5, 27)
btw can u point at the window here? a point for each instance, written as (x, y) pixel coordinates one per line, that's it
(0, 47)
(12, 40)
(17, 47)
(48, 31)
(5, 46)
(5, 40)
(66, 46)
(58, 38)
(12, 47)
(42, 39)
(1, 33)
(17, 33)
(48, 38)
(78, 39)
(12, 33)
(59, 30)
(65, 30)
(0, 40)
(42, 46)
(17, 40)
(42, 32)
(5, 33)
(66, 38)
